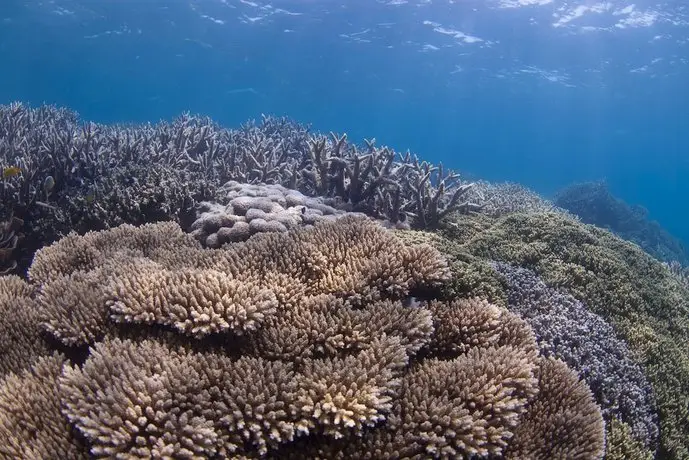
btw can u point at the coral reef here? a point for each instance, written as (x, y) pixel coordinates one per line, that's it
(61, 174)
(243, 210)
(324, 335)
(566, 329)
(594, 204)
(9, 238)
(372, 181)
(646, 305)
(620, 444)
(680, 273)
(31, 422)
(497, 199)
(20, 334)
(298, 344)
(70, 175)
(562, 400)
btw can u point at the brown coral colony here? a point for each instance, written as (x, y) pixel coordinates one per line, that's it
(293, 344)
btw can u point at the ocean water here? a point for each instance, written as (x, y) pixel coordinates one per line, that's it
(541, 92)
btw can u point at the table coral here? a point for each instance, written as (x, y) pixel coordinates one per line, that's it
(180, 361)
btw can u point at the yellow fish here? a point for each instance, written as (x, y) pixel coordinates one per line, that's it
(11, 171)
(90, 195)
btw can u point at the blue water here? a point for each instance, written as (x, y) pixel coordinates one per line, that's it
(540, 92)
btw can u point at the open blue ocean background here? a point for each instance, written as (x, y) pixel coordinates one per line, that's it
(541, 92)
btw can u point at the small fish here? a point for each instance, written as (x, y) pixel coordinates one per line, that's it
(46, 205)
(11, 171)
(48, 184)
(90, 196)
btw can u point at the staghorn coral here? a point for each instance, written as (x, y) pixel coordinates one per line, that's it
(566, 329)
(635, 293)
(80, 176)
(341, 365)
(77, 176)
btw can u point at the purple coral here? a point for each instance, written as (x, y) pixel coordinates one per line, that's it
(566, 329)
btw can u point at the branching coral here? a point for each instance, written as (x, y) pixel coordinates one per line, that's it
(468, 406)
(75, 275)
(9, 238)
(75, 253)
(69, 175)
(567, 330)
(20, 335)
(636, 294)
(472, 404)
(679, 272)
(498, 199)
(167, 402)
(76, 176)
(287, 341)
(563, 413)
(196, 302)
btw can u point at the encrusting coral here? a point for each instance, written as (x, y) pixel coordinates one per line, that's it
(300, 344)
(243, 210)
